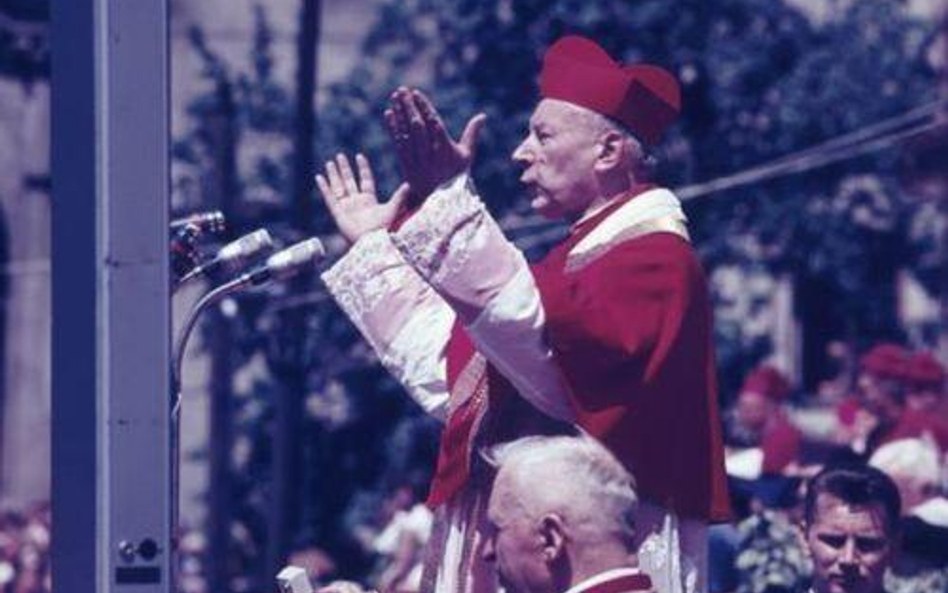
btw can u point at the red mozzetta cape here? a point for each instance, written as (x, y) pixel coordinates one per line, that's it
(631, 333)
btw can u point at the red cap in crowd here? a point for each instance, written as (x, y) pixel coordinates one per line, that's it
(924, 370)
(644, 98)
(886, 360)
(767, 381)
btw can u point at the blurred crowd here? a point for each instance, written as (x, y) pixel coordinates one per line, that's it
(884, 408)
(24, 550)
(887, 410)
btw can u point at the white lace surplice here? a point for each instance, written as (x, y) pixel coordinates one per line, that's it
(404, 293)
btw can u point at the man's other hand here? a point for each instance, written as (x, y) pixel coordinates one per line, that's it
(426, 152)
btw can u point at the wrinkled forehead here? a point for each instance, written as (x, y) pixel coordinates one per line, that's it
(555, 111)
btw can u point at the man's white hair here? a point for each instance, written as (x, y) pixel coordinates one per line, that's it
(642, 161)
(574, 476)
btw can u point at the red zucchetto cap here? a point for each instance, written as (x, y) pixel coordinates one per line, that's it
(888, 361)
(924, 370)
(644, 98)
(767, 381)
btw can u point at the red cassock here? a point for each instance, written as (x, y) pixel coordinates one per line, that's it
(781, 445)
(910, 425)
(632, 335)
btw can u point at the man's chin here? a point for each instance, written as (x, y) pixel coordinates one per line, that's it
(545, 207)
(844, 585)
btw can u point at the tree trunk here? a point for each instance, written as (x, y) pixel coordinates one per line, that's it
(221, 436)
(288, 438)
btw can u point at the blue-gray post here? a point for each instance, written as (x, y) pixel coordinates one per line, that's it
(111, 309)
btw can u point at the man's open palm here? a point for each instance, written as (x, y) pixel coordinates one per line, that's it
(352, 202)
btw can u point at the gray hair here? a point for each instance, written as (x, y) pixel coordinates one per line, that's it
(593, 490)
(644, 162)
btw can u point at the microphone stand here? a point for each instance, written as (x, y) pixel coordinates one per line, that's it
(211, 298)
(279, 266)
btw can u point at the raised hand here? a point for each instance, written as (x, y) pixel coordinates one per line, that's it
(426, 152)
(353, 202)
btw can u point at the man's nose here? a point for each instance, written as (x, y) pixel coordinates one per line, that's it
(522, 154)
(848, 555)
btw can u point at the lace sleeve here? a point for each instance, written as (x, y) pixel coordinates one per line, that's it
(454, 244)
(398, 313)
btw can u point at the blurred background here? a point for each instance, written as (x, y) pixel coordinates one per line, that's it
(811, 155)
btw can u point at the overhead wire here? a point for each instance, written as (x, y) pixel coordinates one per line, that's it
(801, 163)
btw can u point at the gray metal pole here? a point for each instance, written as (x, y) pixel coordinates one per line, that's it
(111, 307)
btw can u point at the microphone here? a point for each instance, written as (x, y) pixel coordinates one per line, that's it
(282, 264)
(204, 222)
(279, 266)
(233, 256)
(184, 238)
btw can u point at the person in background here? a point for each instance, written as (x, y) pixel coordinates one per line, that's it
(851, 527)
(921, 565)
(758, 421)
(880, 414)
(926, 384)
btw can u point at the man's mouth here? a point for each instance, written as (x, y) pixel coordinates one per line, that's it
(538, 199)
(539, 202)
(845, 581)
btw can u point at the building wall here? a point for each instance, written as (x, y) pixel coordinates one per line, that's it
(24, 154)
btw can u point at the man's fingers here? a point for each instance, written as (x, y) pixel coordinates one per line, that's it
(427, 109)
(328, 198)
(415, 122)
(400, 112)
(365, 174)
(471, 131)
(398, 199)
(405, 141)
(390, 123)
(345, 170)
(335, 180)
(434, 126)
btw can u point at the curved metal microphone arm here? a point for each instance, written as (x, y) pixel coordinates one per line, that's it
(194, 273)
(212, 297)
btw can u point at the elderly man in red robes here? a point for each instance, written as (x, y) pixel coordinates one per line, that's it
(763, 439)
(610, 331)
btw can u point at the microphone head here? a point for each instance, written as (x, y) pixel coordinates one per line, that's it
(201, 222)
(289, 261)
(237, 254)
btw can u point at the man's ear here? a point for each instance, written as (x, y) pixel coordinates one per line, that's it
(552, 537)
(611, 151)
